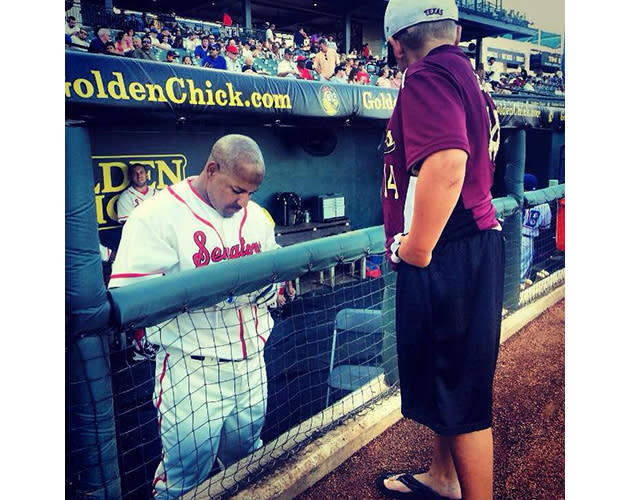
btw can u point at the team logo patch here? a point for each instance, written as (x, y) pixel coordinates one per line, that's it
(329, 100)
(390, 144)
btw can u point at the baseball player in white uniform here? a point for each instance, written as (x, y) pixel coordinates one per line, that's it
(211, 384)
(534, 218)
(137, 192)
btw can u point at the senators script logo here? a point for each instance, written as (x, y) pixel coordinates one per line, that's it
(329, 100)
(112, 178)
(203, 257)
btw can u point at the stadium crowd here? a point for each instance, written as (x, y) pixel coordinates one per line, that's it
(299, 55)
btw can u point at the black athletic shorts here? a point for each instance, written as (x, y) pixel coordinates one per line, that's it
(448, 325)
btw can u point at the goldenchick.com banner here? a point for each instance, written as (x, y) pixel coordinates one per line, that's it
(96, 82)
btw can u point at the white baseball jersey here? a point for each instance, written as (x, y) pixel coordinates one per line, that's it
(534, 219)
(130, 199)
(178, 230)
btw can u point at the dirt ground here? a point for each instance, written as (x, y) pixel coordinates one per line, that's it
(528, 427)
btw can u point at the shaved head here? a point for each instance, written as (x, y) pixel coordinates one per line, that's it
(232, 174)
(239, 155)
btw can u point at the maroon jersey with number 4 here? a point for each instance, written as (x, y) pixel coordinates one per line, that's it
(440, 106)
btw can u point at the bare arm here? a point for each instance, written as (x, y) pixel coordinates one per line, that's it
(438, 187)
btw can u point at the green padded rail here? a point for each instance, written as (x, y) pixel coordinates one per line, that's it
(505, 206)
(545, 195)
(150, 302)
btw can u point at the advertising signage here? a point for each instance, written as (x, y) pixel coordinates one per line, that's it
(507, 56)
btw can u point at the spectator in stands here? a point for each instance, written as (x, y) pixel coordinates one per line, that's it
(231, 61)
(80, 39)
(383, 78)
(124, 43)
(353, 54)
(191, 42)
(147, 21)
(308, 64)
(363, 76)
(349, 64)
(172, 56)
(146, 51)
(153, 34)
(110, 49)
(118, 43)
(483, 82)
(214, 59)
(352, 77)
(248, 68)
(165, 37)
(493, 70)
(187, 61)
(304, 72)
(97, 45)
(202, 52)
(325, 61)
(257, 51)
(298, 38)
(528, 86)
(72, 28)
(331, 44)
(270, 35)
(340, 75)
(137, 43)
(396, 80)
(274, 53)
(365, 51)
(178, 40)
(286, 67)
(370, 65)
(247, 48)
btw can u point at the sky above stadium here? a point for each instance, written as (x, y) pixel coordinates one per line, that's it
(547, 15)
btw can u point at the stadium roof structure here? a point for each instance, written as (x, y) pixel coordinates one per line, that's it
(287, 15)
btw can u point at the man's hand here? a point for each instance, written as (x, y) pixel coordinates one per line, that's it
(411, 255)
(286, 293)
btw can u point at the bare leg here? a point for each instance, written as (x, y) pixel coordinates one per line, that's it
(441, 476)
(473, 458)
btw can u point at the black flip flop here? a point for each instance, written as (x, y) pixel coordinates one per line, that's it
(418, 491)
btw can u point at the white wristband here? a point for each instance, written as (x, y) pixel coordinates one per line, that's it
(395, 246)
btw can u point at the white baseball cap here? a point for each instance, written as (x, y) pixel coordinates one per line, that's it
(401, 14)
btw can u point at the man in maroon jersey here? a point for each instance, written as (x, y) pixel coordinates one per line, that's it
(443, 239)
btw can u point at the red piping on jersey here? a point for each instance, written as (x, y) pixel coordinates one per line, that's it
(256, 324)
(240, 228)
(197, 193)
(242, 334)
(208, 223)
(133, 275)
(161, 477)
